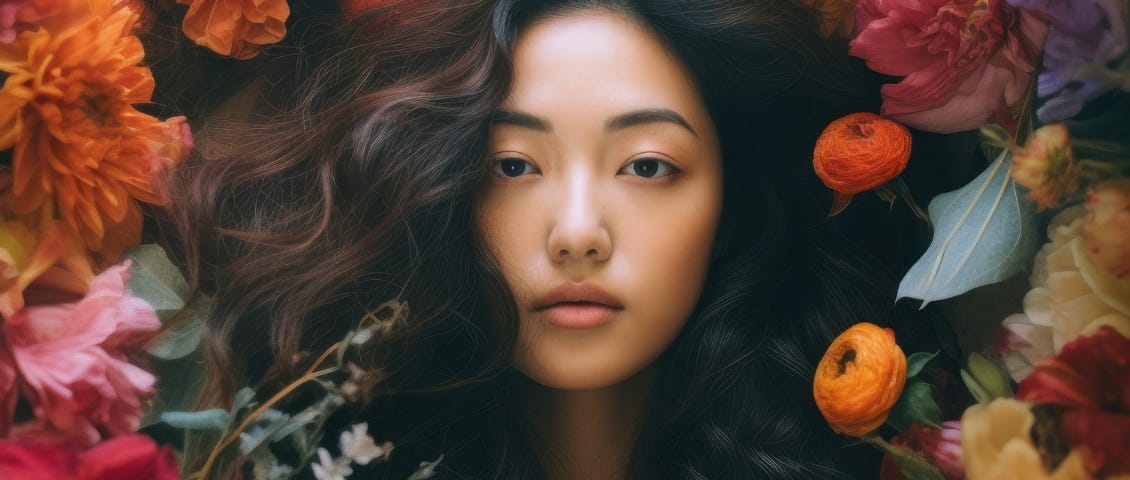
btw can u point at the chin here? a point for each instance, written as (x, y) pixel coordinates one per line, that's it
(567, 373)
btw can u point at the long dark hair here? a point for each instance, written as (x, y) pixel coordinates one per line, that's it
(359, 190)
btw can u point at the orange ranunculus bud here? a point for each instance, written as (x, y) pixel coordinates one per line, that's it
(859, 379)
(860, 151)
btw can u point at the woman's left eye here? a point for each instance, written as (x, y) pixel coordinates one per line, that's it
(649, 168)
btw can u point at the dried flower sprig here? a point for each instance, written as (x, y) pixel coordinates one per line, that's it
(254, 426)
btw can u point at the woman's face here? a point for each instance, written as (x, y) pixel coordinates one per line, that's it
(604, 201)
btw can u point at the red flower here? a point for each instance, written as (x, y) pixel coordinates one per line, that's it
(123, 458)
(1090, 377)
(962, 60)
(128, 457)
(942, 448)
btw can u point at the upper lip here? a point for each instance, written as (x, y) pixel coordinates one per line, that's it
(577, 293)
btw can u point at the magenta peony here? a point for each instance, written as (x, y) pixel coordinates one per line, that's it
(73, 359)
(962, 61)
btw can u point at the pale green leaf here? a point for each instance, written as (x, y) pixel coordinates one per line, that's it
(156, 280)
(984, 233)
(214, 419)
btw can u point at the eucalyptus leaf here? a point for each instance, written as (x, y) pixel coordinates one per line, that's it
(984, 233)
(916, 404)
(214, 419)
(917, 361)
(156, 280)
(265, 427)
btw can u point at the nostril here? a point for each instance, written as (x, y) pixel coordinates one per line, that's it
(591, 253)
(563, 253)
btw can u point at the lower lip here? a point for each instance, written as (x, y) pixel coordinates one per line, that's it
(580, 315)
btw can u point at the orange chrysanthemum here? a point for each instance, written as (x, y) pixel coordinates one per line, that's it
(80, 147)
(859, 379)
(37, 251)
(861, 151)
(236, 28)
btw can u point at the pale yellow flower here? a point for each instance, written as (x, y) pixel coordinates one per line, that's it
(997, 444)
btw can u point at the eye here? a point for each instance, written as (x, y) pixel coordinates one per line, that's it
(649, 168)
(514, 167)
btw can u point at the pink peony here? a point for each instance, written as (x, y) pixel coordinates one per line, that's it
(962, 61)
(72, 357)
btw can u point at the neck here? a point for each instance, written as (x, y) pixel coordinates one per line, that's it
(587, 434)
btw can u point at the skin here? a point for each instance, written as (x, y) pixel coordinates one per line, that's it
(629, 206)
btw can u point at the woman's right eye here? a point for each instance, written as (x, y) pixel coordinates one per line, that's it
(514, 167)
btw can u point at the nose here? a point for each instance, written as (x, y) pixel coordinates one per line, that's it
(579, 231)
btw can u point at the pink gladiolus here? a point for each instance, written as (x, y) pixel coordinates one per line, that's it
(962, 61)
(73, 359)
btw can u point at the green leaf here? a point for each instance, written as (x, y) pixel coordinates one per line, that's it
(214, 419)
(156, 280)
(984, 233)
(917, 361)
(913, 466)
(184, 338)
(916, 404)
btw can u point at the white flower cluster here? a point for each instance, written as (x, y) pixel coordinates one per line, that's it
(357, 446)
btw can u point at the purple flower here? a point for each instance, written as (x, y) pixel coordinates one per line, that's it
(1083, 32)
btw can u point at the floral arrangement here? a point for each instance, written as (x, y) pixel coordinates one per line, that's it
(1052, 392)
(83, 299)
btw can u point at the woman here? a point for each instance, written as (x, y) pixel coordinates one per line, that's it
(600, 213)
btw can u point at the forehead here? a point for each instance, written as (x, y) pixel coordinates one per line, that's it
(597, 57)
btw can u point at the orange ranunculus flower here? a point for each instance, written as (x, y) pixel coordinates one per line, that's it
(236, 28)
(859, 379)
(81, 150)
(861, 151)
(836, 16)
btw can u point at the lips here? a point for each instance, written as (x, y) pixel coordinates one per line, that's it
(578, 305)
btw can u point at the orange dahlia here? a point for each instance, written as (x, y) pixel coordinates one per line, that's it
(81, 149)
(236, 28)
(859, 379)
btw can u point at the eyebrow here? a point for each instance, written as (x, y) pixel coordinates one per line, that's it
(620, 122)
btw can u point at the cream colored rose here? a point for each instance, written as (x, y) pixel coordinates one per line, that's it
(1071, 295)
(1106, 228)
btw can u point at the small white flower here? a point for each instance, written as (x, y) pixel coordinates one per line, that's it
(359, 446)
(329, 468)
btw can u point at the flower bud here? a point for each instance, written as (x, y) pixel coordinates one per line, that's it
(859, 379)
